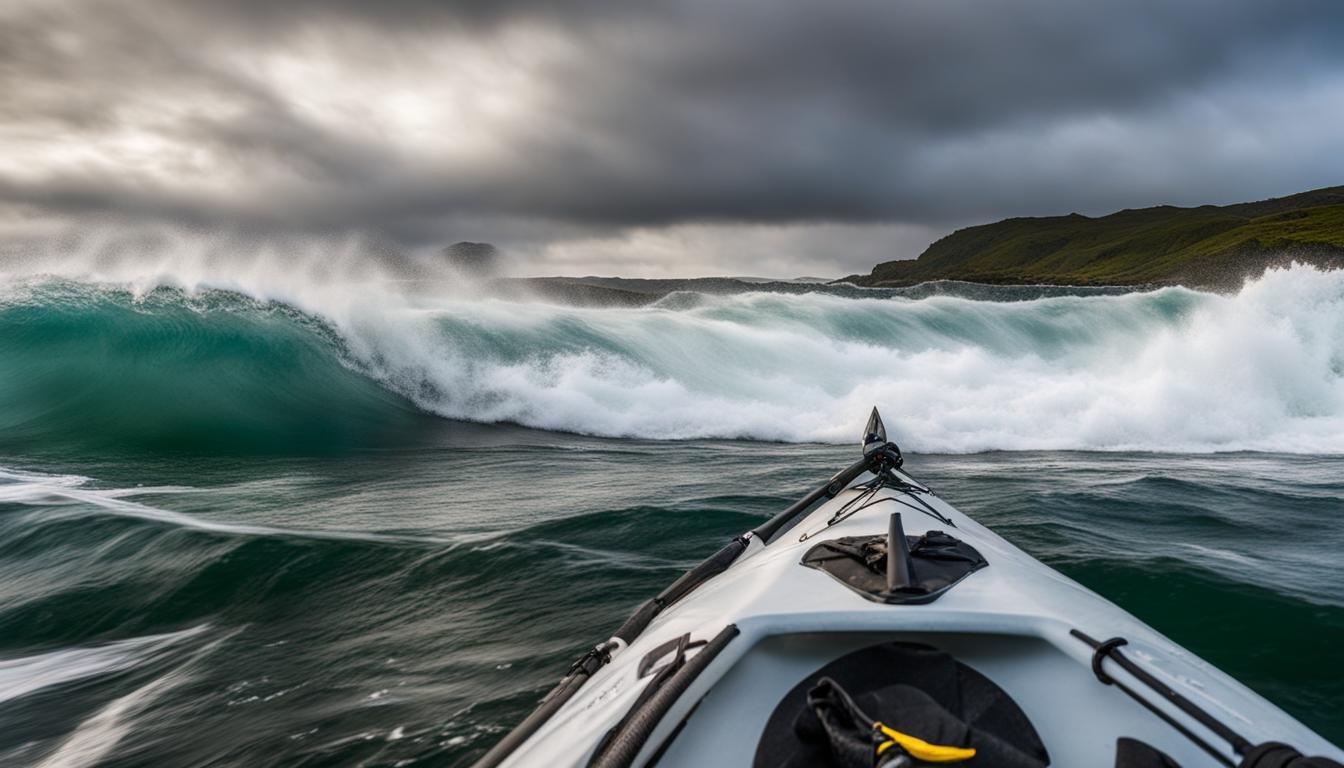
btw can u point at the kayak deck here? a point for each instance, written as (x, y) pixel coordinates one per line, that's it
(1010, 621)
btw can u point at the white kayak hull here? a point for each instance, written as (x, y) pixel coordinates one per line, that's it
(1012, 621)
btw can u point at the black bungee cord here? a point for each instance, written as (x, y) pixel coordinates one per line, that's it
(884, 479)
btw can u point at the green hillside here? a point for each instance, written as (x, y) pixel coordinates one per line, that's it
(1206, 246)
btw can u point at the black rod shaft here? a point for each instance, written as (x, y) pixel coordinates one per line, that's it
(1194, 738)
(1239, 743)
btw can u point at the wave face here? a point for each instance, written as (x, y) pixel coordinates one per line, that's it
(98, 367)
(953, 371)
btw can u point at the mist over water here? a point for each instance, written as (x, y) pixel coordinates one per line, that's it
(1169, 369)
(302, 515)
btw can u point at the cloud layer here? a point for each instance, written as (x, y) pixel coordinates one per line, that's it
(754, 136)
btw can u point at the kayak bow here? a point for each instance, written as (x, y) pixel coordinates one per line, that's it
(873, 639)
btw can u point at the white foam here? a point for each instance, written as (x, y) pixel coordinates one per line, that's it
(1166, 370)
(67, 499)
(98, 735)
(56, 497)
(1171, 370)
(24, 675)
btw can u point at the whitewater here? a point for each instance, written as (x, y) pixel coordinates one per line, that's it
(298, 507)
(958, 369)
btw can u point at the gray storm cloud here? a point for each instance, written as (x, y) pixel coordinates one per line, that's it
(682, 137)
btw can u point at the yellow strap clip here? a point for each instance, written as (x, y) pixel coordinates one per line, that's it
(920, 749)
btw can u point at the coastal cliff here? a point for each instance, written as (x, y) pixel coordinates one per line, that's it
(1207, 246)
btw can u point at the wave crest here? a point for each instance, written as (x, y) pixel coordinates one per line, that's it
(1163, 370)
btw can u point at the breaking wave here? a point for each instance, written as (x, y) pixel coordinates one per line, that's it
(215, 366)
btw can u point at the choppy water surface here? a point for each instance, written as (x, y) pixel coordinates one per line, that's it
(411, 605)
(247, 526)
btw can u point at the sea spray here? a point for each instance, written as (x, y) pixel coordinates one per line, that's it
(1167, 369)
(185, 609)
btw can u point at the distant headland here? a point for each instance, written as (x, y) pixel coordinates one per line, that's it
(1210, 247)
(1205, 247)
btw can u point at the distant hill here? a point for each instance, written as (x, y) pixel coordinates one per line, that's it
(1213, 246)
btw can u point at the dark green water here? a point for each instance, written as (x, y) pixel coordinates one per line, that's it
(389, 606)
(236, 530)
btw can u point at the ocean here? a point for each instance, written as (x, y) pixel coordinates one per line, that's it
(268, 520)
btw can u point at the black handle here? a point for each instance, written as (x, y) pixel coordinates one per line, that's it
(900, 571)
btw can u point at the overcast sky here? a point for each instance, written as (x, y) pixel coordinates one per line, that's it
(642, 138)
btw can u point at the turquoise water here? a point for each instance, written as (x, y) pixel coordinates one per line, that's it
(241, 530)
